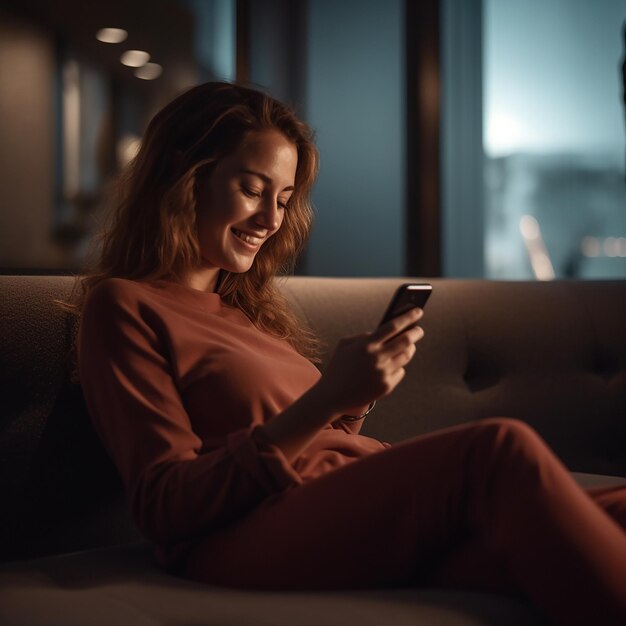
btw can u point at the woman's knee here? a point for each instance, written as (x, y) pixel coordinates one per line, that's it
(509, 427)
(512, 437)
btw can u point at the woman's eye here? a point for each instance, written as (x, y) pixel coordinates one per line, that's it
(251, 193)
(282, 205)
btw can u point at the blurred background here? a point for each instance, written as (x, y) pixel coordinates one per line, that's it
(462, 138)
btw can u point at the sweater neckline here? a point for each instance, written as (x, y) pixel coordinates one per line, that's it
(189, 291)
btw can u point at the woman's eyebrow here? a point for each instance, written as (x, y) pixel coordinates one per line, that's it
(265, 178)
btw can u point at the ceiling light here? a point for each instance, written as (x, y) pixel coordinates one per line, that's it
(149, 71)
(135, 58)
(111, 35)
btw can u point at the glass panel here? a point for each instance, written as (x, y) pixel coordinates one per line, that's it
(554, 139)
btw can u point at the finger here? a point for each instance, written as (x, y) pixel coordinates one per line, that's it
(395, 379)
(402, 359)
(390, 365)
(396, 325)
(402, 341)
(383, 353)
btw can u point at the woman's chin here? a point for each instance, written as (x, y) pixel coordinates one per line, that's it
(239, 267)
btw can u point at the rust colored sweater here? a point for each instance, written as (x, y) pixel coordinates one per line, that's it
(177, 384)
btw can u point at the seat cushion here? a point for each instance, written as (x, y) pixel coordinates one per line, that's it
(123, 585)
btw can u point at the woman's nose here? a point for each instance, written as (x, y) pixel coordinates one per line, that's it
(270, 215)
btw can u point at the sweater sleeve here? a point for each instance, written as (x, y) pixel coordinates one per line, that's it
(178, 486)
(352, 427)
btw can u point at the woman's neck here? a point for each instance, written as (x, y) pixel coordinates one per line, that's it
(205, 279)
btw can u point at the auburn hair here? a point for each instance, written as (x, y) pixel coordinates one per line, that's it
(152, 232)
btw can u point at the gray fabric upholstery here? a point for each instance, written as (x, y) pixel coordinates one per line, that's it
(552, 354)
(60, 490)
(121, 587)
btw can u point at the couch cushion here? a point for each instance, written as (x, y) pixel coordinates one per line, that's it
(60, 490)
(122, 585)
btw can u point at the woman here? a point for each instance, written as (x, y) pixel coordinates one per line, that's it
(244, 464)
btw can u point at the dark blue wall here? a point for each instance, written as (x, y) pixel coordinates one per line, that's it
(355, 101)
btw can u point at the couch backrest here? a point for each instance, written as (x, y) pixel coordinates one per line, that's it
(60, 491)
(552, 354)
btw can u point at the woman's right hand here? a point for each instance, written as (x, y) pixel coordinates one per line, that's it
(369, 366)
(362, 368)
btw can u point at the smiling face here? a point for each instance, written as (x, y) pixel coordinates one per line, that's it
(241, 203)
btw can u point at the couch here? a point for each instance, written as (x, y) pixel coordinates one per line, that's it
(551, 354)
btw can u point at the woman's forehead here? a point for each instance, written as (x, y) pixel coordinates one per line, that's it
(268, 153)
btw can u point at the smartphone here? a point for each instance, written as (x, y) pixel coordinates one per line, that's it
(407, 297)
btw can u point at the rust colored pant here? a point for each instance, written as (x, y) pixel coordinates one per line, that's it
(485, 506)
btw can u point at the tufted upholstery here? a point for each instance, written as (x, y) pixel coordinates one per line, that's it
(551, 354)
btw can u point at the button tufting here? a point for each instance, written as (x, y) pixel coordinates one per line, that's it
(479, 377)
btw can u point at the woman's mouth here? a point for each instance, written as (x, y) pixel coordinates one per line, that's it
(251, 240)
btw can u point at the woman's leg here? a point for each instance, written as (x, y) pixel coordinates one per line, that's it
(612, 500)
(565, 552)
(393, 518)
(471, 565)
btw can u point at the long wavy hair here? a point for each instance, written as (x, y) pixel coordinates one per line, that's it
(152, 233)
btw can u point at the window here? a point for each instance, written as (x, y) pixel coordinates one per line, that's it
(554, 139)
